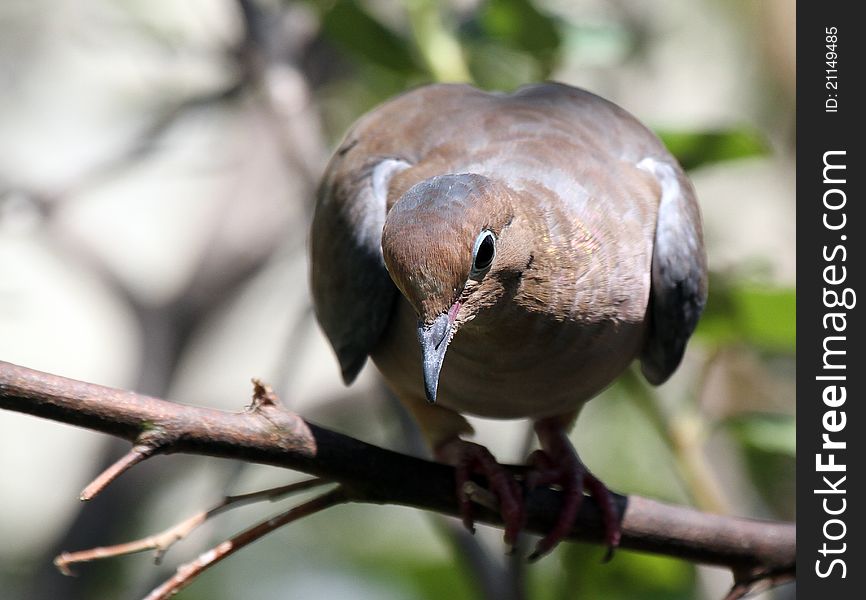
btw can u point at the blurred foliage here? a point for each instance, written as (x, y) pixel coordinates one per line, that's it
(365, 39)
(630, 575)
(761, 316)
(773, 434)
(511, 42)
(505, 44)
(767, 443)
(697, 148)
(519, 25)
(747, 314)
(427, 579)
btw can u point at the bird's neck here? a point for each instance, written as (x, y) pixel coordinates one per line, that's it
(562, 253)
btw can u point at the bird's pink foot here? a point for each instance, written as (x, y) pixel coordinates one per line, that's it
(557, 463)
(473, 459)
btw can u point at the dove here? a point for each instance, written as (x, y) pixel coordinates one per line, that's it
(507, 256)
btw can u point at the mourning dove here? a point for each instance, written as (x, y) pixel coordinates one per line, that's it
(507, 256)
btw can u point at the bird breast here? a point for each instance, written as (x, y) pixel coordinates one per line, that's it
(515, 362)
(567, 325)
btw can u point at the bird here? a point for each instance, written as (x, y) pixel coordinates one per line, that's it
(507, 255)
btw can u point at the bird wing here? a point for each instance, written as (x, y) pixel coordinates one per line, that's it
(679, 272)
(352, 292)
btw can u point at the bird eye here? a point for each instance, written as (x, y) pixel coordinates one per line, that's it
(483, 252)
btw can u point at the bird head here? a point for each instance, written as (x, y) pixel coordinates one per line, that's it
(448, 248)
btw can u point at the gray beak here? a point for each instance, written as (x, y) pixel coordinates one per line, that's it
(434, 340)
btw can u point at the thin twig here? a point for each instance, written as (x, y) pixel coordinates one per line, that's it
(187, 572)
(163, 540)
(138, 453)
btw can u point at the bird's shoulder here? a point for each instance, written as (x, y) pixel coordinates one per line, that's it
(449, 126)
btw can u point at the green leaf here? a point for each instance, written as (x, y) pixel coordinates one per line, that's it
(521, 25)
(767, 433)
(348, 26)
(695, 149)
(768, 316)
(496, 67)
(427, 579)
(759, 315)
(768, 445)
(510, 43)
(629, 576)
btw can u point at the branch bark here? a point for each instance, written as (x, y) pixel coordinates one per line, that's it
(269, 434)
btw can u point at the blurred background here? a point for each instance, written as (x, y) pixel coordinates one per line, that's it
(158, 163)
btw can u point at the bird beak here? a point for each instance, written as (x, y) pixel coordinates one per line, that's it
(434, 339)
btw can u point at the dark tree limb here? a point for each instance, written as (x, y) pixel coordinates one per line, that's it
(269, 434)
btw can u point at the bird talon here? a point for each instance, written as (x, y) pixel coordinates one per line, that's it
(557, 464)
(464, 498)
(504, 494)
(609, 515)
(468, 521)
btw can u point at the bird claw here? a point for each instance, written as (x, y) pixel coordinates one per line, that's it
(473, 459)
(561, 467)
(609, 513)
(559, 464)
(569, 475)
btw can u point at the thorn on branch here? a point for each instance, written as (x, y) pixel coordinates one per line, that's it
(263, 395)
(753, 580)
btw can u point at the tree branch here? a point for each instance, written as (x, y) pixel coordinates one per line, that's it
(269, 434)
(162, 541)
(189, 571)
